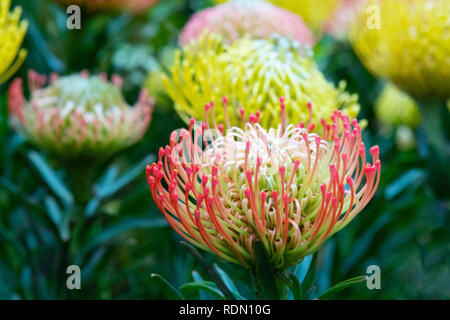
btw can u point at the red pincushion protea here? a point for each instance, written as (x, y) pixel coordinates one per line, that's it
(259, 19)
(285, 187)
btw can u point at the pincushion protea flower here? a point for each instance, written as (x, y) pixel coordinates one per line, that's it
(254, 73)
(111, 5)
(259, 19)
(12, 32)
(78, 116)
(286, 187)
(411, 48)
(395, 107)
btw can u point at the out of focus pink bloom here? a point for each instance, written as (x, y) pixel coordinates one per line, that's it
(339, 25)
(256, 18)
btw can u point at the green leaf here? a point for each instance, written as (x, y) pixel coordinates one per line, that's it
(228, 282)
(415, 176)
(302, 269)
(309, 278)
(111, 188)
(51, 178)
(265, 274)
(325, 265)
(211, 271)
(341, 286)
(207, 286)
(198, 278)
(174, 293)
(295, 287)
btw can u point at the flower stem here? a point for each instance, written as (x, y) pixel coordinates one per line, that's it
(268, 286)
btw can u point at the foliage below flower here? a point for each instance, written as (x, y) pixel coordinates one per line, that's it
(411, 48)
(111, 5)
(395, 107)
(314, 12)
(234, 19)
(12, 32)
(253, 73)
(78, 116)
(285, 187)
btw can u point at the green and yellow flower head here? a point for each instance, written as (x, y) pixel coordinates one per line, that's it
(253, 74)
(407, 42)
(394, 107)
(12, 32)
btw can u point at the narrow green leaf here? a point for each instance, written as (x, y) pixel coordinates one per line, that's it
(198, 278)
(60, 220)
(398, 186)
(207, 286)
(211, 271)
(174, 293)
(302, 269)
(341, 286)
(51, 178)
(112, 188)
(309, 278)
(296, 287)
(325, 265)
(228, 282)
(265, 275)
(53, 210)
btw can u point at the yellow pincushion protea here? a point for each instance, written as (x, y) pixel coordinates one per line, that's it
(411, 47)
(394, 107)
(253, 74)
(314, 12)
(12, 32)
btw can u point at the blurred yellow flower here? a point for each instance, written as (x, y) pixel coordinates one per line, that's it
(253, 74)
(394, 107)
(12, 32)
(410, 46)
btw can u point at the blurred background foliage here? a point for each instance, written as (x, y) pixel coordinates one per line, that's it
(124, 239)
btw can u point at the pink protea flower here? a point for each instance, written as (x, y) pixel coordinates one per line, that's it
(112, 5)
(235, 19)
(286, 187)
(78, 116)
(339, 24)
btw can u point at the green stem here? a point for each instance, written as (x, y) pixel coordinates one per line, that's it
(81, 176)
